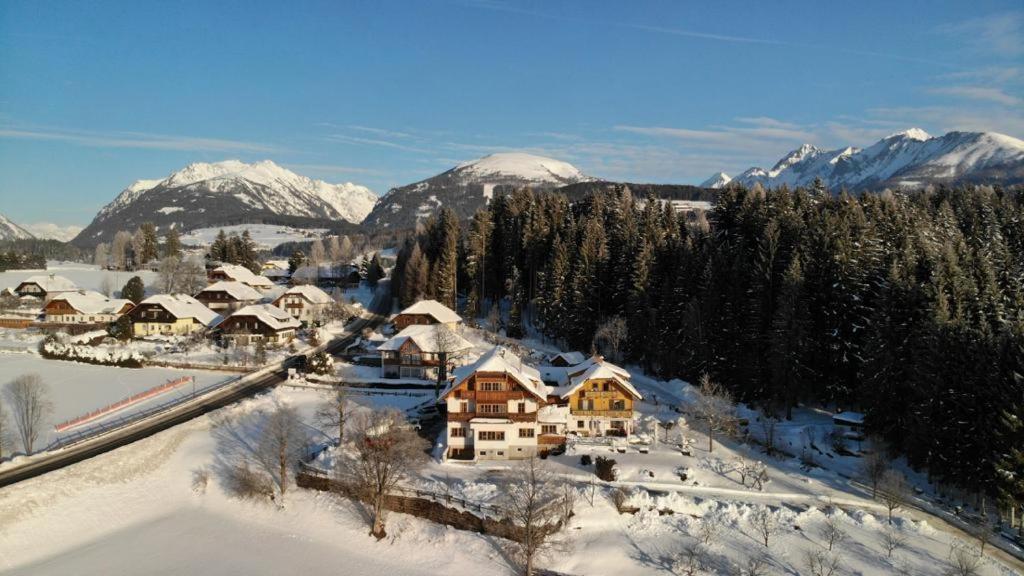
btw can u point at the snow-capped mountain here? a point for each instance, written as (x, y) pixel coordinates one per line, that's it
(11, 231)
(51, 231)
(717, 181)
(202, 195)
(467, 187)
(905, 159)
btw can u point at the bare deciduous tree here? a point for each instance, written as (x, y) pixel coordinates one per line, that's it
(893, 490)
(331, 413)
(892, 539)
(4, 433)
(710, 527)
(119, 249)
(832, 531)
(532, 502)
(716, 409)
(386, 450)
(765, 523)
(821, 563)
(191, 276)
(282, 443)
(447, 343)
(875, 464)
(610, 337)
(168, 271)
(29, 401)
(101, 257)
(756, 565)
(963, 560)
(692, 560)
(107, 285)
(567, 501)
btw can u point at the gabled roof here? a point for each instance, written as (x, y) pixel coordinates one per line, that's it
(243, 274)
(596, 359)
(434, 309)
(184, 306)
(312, 294)
(501, 360)
(570, 358)
(272, 316)
(237, 290)
(51, 283)
(600, 370)
(90, 302)
(425, 338)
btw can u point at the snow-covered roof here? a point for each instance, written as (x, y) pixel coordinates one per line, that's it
(51, 283)
(243, 274)
(312, 294)
(601, 370)
(272, 316)
(425, 338)
(237, 290)
(596, 359)
(184, 306)
(501, 360)
(434, 309)
(570, 358)
(849, 418)
(90, 302)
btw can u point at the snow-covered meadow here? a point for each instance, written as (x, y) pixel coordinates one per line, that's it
(85, 276)
(265, 235)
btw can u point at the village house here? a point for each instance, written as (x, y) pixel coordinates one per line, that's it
(307, 304)
(171, 315)
(45, 287)
(416, 352)
(492, 408)
(259, 322)
(601, 399)
(85, 307)
(228, 296)
(236, 273)
(566, 359)
(426, 312)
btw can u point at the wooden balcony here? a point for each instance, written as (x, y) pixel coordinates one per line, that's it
(602, 413)
(550, 439)
(513, 416)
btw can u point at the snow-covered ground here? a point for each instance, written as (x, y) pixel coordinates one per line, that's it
(265, 235)
(85, 276)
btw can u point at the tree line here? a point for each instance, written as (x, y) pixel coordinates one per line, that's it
(907, 306)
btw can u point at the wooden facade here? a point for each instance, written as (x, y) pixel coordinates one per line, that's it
(601, 407)
(492, 416)
(244, 329)
(409, 362)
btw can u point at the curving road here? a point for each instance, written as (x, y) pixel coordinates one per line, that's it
(188, 410)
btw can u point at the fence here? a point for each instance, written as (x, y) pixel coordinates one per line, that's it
(123, 403)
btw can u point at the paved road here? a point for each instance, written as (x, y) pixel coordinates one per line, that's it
(186, 411)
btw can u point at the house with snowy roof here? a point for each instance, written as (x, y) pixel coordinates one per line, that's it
(566, 359)
(228, 296)
(236, 273)
(171, 315)
(426, 312)
(492, 408)
(85, 307)
(600, 397)
(306, 303)
(258, 322)
(419, 351)
(45, 286)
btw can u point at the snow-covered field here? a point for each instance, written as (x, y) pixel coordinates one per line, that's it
(265, 235)
(86, 276)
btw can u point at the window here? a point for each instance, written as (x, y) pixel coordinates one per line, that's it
(594, 386)
(459, 432)
(548, 429)
(500, 453)
(607, 387)
(579, 423)
(491, 435)
(491, 386)
(618, 424)
(526, 432)
(521, 408)
(492, 408)
(463, 406)
(618, 404)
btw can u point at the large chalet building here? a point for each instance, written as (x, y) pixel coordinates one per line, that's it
(600, 398)
(305, 303)
(171, 315)
(417, 351)
(426, 312)
(492, 408)
(45, 287)
(259, 322)
(85, 307)
(236, 273)
(228, 296)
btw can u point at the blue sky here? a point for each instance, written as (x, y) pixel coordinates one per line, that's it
(94, 95)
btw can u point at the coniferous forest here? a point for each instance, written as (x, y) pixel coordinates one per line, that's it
(906, 306)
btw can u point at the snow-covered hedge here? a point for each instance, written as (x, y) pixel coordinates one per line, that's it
(56, 348)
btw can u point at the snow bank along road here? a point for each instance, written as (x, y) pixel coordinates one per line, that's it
(244, 387)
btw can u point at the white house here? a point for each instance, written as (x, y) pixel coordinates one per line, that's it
(426, 312)
(305, 303)
(45, 286)
(228, 295)
(416, 352)
(85, 307)
(236, 273)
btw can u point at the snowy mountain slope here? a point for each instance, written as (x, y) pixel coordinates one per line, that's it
(468, 187)
(11, 231)
(202, 195)
(49, 230)
(717, 181)
(908, 158)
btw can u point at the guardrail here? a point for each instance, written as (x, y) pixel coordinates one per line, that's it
(123, 403)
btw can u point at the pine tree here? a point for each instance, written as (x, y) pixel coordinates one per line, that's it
(295, 261)
(134, 290)
(219, 247)
(150, 243)
(477, 245)
(172, 244)
(445, 262)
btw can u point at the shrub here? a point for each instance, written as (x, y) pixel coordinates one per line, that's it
(585, 460)
(605, 469)
(245, 482)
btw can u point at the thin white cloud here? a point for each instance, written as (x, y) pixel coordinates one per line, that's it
(979, 93)
(136, 140)
(1000, 34)
(358, 140)
(335, 169)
